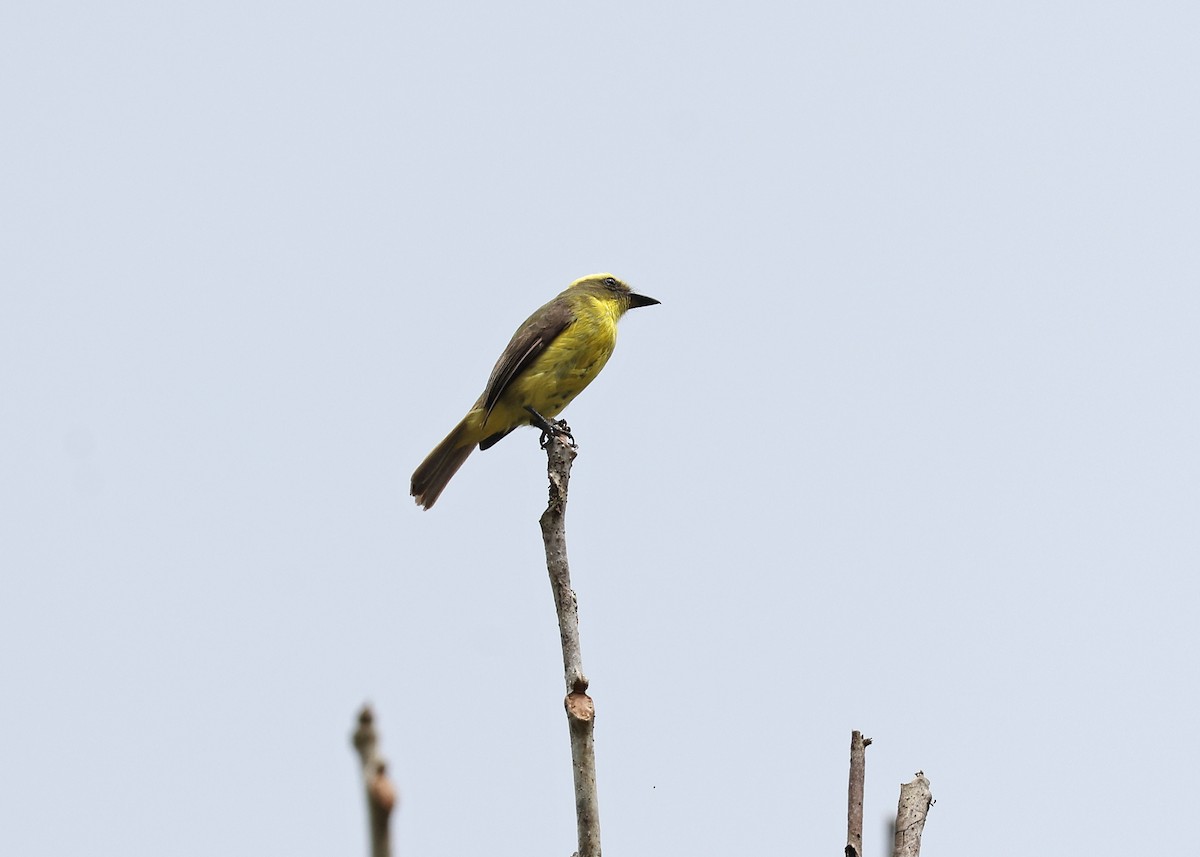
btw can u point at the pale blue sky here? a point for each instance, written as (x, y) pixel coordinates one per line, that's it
(910, 446)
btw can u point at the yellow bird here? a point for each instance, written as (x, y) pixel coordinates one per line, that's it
(552, 357)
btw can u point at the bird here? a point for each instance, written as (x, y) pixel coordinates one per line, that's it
(557, 352)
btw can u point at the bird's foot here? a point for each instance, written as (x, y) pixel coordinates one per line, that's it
(551, 429)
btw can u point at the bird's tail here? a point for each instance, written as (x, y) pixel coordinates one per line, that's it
(429, 480)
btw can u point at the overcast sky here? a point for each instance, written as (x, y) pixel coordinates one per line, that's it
(909, 447)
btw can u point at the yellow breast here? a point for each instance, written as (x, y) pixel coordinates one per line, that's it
(571, 362)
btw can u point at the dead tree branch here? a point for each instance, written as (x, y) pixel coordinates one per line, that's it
(854, 801)
(381, 794)
(581, 712)
(915, 800)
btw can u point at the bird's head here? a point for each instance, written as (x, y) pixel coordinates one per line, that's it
(612, 288)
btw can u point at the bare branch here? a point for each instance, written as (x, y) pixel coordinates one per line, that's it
(854, 801)
(381, 794)
(915, 800)
(581, 712)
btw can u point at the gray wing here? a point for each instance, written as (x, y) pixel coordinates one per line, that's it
(528, 343)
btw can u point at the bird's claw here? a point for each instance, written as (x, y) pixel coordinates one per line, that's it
(551, 429)
(558, 428)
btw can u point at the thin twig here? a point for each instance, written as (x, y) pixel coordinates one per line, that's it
(381, 794)
(581, 712)
(854, 801)
(915, 800)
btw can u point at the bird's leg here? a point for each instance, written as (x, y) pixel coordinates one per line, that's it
(550, 428)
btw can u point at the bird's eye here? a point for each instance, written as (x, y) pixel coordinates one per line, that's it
(610, 282)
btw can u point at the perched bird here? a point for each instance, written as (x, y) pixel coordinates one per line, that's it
(552, 357)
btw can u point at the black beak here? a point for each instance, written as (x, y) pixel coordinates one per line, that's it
(636, 300)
